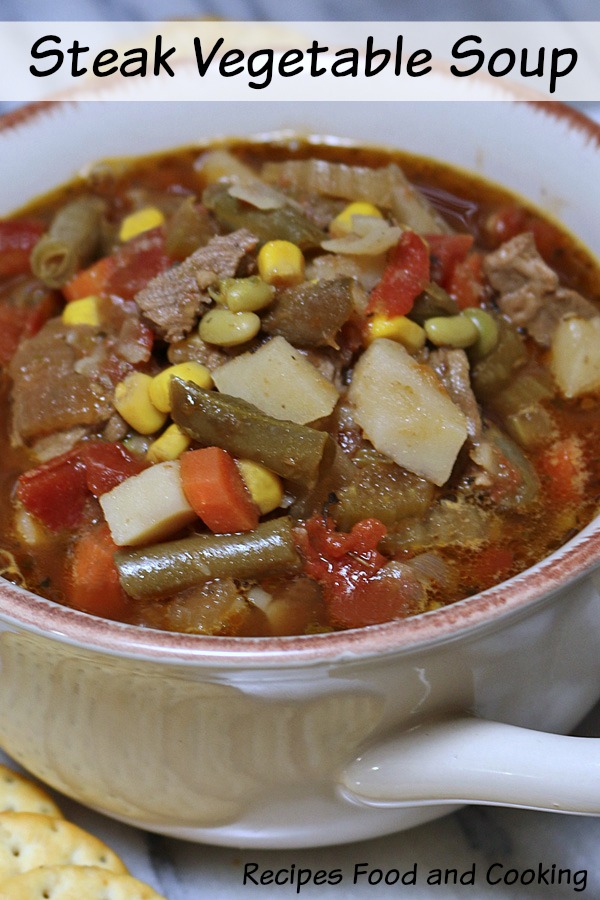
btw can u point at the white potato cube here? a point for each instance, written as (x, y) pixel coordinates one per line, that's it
(575, 356)
(147, 507)
(280, 381)
(405, 412)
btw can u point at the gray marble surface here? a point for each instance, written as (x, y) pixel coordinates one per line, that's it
(471, 841)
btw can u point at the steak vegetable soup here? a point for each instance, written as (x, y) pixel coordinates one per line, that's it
(269, 389)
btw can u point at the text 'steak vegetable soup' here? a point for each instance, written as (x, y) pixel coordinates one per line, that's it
(288, 388)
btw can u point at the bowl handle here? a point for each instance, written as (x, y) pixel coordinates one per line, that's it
(474, 761)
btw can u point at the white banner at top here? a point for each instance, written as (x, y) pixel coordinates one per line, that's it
(308, 61)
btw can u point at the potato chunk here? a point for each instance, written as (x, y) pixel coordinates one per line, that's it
(575, 356)
(405, 412)
(147, 507)
(280, 381)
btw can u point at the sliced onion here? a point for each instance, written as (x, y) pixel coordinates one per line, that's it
(365, 270)
(386, 187)
(377, 237)
(258, 194)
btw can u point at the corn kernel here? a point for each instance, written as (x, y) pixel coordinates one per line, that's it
(170, 445)
(281, 263)
(396, 328)
(132, 402)
(187, 371)
(228, 329)
(265, 486)
(141, 220)
(343, 224)
(82, 312)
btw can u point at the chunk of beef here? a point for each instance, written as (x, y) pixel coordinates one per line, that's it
(519, 274)
(557, 306)
(172, 301)
(58, 382)
(529, 293)
(453, 368)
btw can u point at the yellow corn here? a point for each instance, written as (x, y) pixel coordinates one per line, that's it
(228, 329)
(343, 224)
(396, 328)
(141, 220)
(170, 445)
(281, 263)
(82, 312)
(132, 402)
(187, 371)
(265, 486)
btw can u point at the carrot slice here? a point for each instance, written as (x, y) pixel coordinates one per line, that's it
(216, 491)
(95, 586)
(92, 280)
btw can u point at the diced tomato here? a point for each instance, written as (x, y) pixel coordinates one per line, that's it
(18, 237)
(137, 262)
(465, 284)
(446, 251)
(106, 465)
(215, 489)
(55, 492)
(405, 276)
(94, 585)
(90, 281)
(346, 567)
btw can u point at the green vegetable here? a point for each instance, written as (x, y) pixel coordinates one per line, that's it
(165, 569)
(433, 301)
(492, 372)
(311, 314)
(296, 452)
(72, 242)
(285, 223)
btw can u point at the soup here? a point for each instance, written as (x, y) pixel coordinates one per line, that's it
(282, 388)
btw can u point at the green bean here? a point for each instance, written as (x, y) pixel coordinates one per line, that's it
(71, 242)
(451, 331)
(296, 452)
(311, 314)
(167, 568)
(285, 223)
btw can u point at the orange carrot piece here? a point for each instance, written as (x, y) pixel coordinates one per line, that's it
(216, 491)
(90, 281)
(95, 586)
(562, 468)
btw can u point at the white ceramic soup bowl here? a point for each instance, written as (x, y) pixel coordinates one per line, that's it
(289, 742)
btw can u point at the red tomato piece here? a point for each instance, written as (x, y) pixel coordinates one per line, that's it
(18, 237)
(446, 251)
(405, 276)
(106, 465)
(465, 284)
(55, 492)
(137, 262)
(346, 566)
